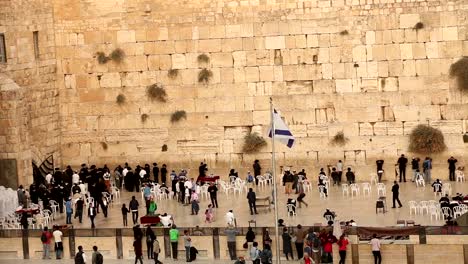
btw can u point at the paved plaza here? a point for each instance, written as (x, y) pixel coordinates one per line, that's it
(361, 208)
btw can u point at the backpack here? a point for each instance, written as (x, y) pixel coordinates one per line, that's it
(79, 258)
(43, 237)
(99, 258)
(317, 242)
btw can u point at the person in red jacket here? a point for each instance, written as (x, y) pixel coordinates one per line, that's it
(46, 237)
(327, 242)
(342, 243)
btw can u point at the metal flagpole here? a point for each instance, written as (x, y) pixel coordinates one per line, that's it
(273, 165)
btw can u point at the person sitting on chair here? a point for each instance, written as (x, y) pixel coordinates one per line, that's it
(445, 199)
(324, 187)
(328, 212)
(437, 186)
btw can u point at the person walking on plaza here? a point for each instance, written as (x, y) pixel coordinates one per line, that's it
(343, 244)
(339, 169)
(402, 161)
(97, 257)
(249, 238)
(58, 242)
(138, 248)
(134, 209)
(187, 245)
(174, 238)
(69, 211)
(150, 238)
(46, 238)
(231, 233)
(300, 235)
(266, 255)
(92, 214)
(452, 166)
(252, 198)
(414, 167)
(287, 244)
(254, 254)
(213, 190)
(157, 250)
(257, 170)
(375, 244)
(396, 194)
(125, 211)
(427, 167)
(80, 257)
(79, 206)
(288, 180)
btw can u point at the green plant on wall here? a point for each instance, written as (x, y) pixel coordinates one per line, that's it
(144, 117)
(156, 92)
(459, 71)
(204, 76)
(173, 73)
(425, 139)
(253, 142)
(203, 58)
(178, 115)
(120, 99)
(339, 139)
(117, 55)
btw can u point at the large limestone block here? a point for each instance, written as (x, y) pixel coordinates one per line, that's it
(324, 86)
(251, 74)
(276, 42)
(209, 45)
(409, 20)
(392, 51)
(406, 51)
(448, 126)
(344, 86)
(450, 33)
(419, 51)
(110, 80)
(221, 59)
(125, 36)
(178, 61)
(359, 53)
(233, 44)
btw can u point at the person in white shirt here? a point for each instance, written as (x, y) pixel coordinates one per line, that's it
(83, 188)
(339, 169)
(75, 178)
(124, 172)
(375, 243)
(48, 178)
(230, 218)
(166, 220)
(142, 173)
(188, 185)
(58, 243)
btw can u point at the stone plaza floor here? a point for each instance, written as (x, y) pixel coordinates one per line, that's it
(361, 208)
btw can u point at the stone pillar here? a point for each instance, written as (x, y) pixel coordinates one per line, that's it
(216, 247)
(71, 242)
(118, 243)
(167, 243)
(410, 254)
(25, 237)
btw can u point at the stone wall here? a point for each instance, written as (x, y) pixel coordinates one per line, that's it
(353, 66)
(28, 93)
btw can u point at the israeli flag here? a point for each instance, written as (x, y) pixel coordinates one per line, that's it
(282, 132)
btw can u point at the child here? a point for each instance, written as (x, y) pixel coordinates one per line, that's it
(187, 196)
(209, 214)
(124, 214)
(195, 205)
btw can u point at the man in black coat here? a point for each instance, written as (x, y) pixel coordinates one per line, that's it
(396, 194)
(156, 172)
(402, 161)
(252, 198)
(452, 161)
(257, 170)
(213, 190)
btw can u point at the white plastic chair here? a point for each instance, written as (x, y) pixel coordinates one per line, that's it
(322, 192)
(381, 190)
(423, 205)
(366, 187)
(354, 189)
(446, 189)
(232, 179)
(434, 212)
(268, 178)
(345, 189)
(54, 206)
(373, 178)
(261, 181)
(307, 186)
(457, 211)
(291, 209)
(460, 176)
(464, 208)
(115, 192)
(413, 205)
(420, 181)
(446, 212)
(204, 191)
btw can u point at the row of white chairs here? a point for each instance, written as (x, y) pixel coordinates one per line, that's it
(355, 190)
(434, 210)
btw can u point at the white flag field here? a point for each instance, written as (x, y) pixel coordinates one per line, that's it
(282, 132)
